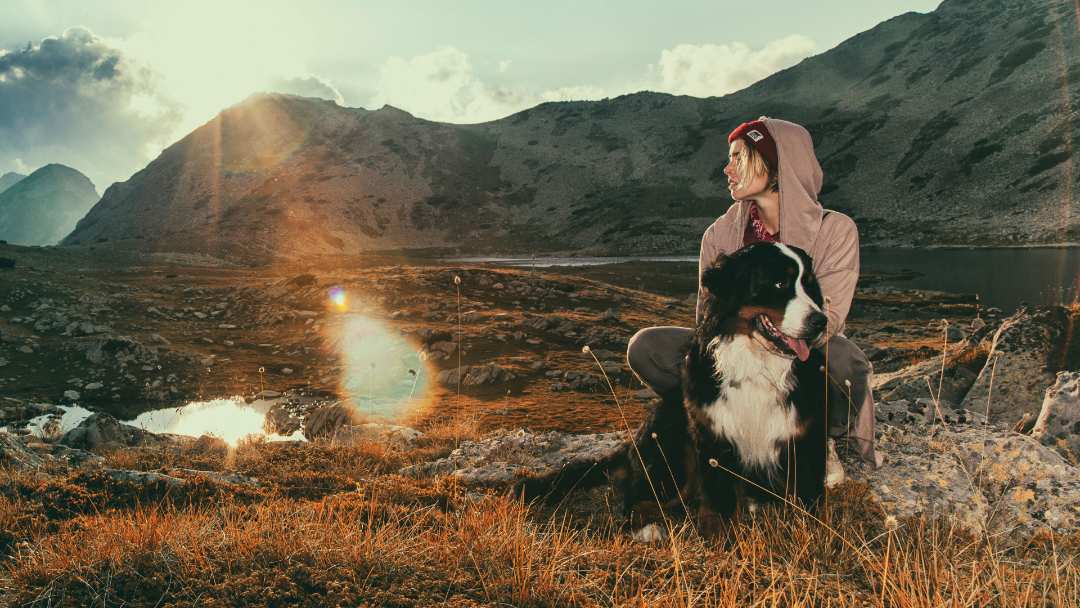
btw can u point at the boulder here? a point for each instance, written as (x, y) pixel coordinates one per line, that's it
(102, 431)
(324, 422)
(503, 458)
(374, 432)
(987, 477)
(922, 379)
(15, 455)
(476, 375)
(1029, 348)
(1058, 424)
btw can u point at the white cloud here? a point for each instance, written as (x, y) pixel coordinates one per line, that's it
(77, 100)
(705, 70)
(443, 85)
(309, 86)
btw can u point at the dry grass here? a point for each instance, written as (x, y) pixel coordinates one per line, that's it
(335, 526)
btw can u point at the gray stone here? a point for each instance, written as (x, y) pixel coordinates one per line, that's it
(374, 432)
(476, 375)
(1058, 424)
(1031, 348)
(102, 431)
(503, 458)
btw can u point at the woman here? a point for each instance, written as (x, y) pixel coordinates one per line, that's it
(774, 177)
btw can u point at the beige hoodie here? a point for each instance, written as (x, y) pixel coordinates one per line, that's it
(830, 237)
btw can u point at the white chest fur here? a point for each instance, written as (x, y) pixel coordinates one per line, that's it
(753, 411)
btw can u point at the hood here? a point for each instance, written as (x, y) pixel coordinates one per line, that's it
(800, 182)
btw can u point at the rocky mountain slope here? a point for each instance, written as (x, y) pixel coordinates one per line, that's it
(44, 206)
(9, 179)
(948, 128)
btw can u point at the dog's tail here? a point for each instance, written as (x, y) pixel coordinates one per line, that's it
(577, 474)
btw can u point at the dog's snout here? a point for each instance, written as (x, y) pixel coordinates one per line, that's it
(817, 322)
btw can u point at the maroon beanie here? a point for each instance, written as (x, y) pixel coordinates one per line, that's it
(756, 135)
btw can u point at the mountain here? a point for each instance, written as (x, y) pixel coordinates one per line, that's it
(9, 179)
(44, 206)
(954, 127)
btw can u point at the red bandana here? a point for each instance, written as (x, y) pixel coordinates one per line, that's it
(755, 229)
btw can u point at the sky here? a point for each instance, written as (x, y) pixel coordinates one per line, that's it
(104, 86)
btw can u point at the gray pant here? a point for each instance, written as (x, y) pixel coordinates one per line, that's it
(656, 354)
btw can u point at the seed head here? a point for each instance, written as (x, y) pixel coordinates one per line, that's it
(457, 280)
(585, 349)
(713, 463)
(653, 435)
(847, 383)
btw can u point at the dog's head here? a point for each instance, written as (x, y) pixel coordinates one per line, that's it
(767, 291)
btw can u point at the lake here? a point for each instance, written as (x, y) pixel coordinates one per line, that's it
(1003, 278)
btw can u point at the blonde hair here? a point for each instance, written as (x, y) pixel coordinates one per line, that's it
(750, 164)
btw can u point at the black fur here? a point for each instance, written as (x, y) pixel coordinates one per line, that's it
(675, 450)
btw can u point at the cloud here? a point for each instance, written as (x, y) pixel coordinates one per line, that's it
(309, 86)
(443, 85)
(705, 70)
(75, 100)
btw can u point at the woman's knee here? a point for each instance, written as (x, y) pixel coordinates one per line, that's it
(848, 360)
(656, 351)
(637, 349)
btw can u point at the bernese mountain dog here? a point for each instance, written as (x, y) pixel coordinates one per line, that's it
(752, 425)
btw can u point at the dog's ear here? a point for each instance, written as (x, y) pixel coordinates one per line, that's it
(726, 282)
(810, 283)
(714, 277)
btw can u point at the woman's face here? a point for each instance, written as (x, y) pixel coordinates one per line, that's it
(755, 186)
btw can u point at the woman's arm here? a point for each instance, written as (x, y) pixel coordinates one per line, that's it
(709, 252)
(837, 270)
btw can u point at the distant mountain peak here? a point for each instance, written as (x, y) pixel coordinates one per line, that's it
(41, 208)
(9, 179)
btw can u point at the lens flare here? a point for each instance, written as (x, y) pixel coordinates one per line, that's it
(383, 375)
(338, 298)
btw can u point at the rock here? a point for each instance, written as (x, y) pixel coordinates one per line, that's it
(476, 375)
(222, 477)
(924, 378)
(71, 395)
(503, 458)
(93, 386)
(986, 477)
(15, 455)
(324, 422)
(102, 431)
(388, 434)
(1032, 349)
(1058, 424)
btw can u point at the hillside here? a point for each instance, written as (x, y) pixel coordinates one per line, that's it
(9, 179)
(44, 206)
(948, 128)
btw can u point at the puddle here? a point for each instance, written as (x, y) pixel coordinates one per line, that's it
(51, 427)
(230, 419)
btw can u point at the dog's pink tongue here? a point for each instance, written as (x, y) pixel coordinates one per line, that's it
(799, 346)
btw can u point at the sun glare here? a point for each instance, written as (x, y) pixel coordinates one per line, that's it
(383, 375)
